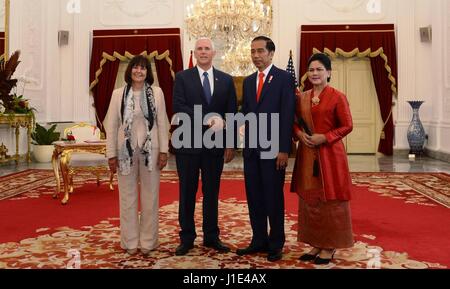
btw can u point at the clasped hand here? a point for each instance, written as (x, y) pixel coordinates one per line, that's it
(312, 141)
(113, 163)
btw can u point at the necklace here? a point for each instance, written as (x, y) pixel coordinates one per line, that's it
(315, 100)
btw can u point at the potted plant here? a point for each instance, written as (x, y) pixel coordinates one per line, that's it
(43, 140)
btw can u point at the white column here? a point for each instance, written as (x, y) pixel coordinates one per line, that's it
(437, 71)
(444, 127)
(81, 60)
(66, 66)
(52, 56)
(406, 39)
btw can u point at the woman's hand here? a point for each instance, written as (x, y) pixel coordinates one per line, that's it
(305, 139)
(113, 163)
(312, 141)
(162, 161)
(317, 139)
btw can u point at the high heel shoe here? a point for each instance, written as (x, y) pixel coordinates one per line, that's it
(321, 261)
(308, 256)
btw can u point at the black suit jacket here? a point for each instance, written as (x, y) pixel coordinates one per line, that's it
(278, 96)
(188, 92)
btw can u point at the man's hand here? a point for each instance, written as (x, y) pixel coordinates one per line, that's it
(229, 155)
(216, 123)
(162, 161)
(282, 161)
(113, 163)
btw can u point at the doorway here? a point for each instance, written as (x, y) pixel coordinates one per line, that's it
(353, 76)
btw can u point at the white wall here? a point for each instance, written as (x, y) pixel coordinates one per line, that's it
(61, 93)
(2, 15)
(439, 120)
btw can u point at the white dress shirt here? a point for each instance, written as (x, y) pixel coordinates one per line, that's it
(266, 72)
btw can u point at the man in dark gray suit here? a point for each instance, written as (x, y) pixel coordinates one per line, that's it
(214, 91)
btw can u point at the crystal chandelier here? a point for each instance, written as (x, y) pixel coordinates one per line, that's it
(237, 60)
(229, 20)
(232, 24)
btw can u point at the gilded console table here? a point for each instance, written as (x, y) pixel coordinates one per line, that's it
(17, 121)
(61, 160)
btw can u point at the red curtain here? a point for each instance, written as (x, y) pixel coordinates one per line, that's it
(164, 44)
(384, 92)
(374, 41)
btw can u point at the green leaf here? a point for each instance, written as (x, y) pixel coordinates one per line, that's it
(42, 136)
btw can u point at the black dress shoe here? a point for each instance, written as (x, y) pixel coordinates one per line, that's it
(218, 246)
(274, 256)
(183, 249)
(250, 250)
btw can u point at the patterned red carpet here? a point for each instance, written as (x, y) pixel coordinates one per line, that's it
(400, 221)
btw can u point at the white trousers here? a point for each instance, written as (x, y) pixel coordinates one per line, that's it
(140, 232)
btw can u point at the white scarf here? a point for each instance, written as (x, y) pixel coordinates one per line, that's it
(148, 108)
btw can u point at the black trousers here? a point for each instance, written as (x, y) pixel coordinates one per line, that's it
(189, 167)
(265, 197)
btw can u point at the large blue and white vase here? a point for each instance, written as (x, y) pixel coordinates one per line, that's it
(416, 133)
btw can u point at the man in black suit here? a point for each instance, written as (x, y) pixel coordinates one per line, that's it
(214, 91)
(269, 91)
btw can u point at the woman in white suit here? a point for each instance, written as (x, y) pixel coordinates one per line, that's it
(137, 129)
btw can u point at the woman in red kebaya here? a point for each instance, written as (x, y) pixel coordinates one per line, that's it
(321, 175)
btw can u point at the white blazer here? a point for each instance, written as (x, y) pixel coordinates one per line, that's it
(115, 129)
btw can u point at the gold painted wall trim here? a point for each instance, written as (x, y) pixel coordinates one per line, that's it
(140, 35)
(128, 56)
(346, 31)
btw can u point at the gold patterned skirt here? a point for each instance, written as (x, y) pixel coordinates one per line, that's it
(325, 225)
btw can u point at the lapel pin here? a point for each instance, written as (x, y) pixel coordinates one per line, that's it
(270, 79)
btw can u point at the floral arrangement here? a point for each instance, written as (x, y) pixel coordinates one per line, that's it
(70, 138)
(11, 102)
(17, 104)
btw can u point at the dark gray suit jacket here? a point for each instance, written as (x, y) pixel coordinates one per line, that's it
(188, 91)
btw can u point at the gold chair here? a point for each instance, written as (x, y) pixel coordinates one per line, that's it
(82, 162)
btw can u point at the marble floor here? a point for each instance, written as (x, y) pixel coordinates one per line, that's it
(358, 163)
